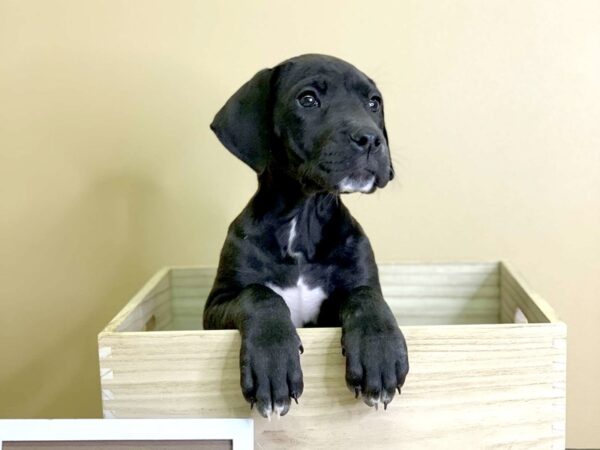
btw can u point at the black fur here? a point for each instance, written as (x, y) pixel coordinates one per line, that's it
(302, 151)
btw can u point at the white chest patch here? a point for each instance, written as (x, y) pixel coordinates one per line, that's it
(304, 302)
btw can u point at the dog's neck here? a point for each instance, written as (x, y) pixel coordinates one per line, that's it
(297, 219)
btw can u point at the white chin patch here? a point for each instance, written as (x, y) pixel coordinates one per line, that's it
(350, 184)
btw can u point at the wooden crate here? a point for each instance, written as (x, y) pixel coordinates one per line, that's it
(487, 364)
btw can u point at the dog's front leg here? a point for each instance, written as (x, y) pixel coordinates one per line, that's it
(375, 349)
(270, 372)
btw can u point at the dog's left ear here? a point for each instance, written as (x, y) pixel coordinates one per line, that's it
(243, 125)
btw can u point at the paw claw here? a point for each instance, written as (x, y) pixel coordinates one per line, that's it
(399, 390)
(356, 392)
(301, 348)
(385, 406)
(295, 397)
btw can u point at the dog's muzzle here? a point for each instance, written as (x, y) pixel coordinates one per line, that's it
(351, 184)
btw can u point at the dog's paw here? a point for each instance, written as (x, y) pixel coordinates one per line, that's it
(376, 362)
(270, 372)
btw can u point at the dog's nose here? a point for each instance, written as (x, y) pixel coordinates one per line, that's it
(366, 140)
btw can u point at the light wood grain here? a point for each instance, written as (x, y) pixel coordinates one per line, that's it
(516, 293)
(418, 294)
(470, 386)
(136, 313)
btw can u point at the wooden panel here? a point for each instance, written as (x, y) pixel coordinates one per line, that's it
(472, 268)
(418, 293)
(444, 311)
(434, 294)
(190, 289)
(185, 307)
(517, 294)
(478, 386)
(150, 306)
(425, 290)
(424, 311)
(193, 322)
(193, 276)
(403, 273)
(200, 291)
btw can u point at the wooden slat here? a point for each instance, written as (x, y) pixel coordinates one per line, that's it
(191, 322)
(428, 305)
(450, 311)
(426, 293)
(435, 279)
(182, 312)
(516, 290)
(477, 386)
(484, 268)
(464, 319)
(156, 309)
(183, 272)
(515, 300)
(134, 311)
(507, 311)
(194, 321)
(425, 290)
(419, 311)
(190, 291)
(462, 273)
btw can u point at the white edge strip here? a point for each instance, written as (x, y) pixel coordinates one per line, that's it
(240, 431)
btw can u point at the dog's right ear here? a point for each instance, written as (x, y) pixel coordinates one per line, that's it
(243, 125)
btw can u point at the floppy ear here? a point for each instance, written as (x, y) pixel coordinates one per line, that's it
(392, 171)
(244, 125)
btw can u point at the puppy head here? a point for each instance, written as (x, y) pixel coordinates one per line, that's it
(315, 117)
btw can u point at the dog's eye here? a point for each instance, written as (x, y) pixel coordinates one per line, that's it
(374, 104)
(308, 100)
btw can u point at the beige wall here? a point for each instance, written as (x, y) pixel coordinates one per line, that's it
(108, 169)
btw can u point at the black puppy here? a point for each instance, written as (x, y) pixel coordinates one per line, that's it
(312, 128)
